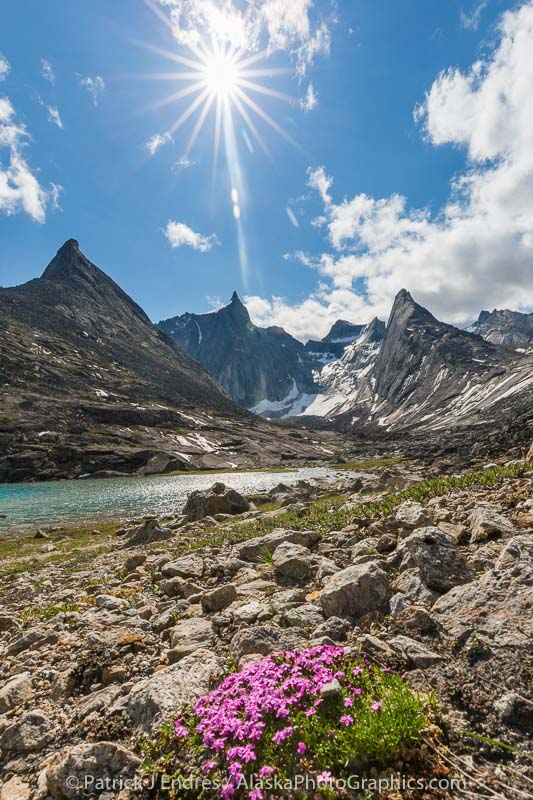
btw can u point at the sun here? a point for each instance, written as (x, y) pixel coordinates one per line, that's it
(221, 75)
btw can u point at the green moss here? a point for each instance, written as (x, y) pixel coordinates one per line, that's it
(22, 554)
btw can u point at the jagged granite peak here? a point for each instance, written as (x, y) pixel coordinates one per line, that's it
(432, 374)
(375, 330)
(73, 270)
(334, 343)
(254, 365)
(341, 330)
(348, 378)
(505, 327)
(79, 357)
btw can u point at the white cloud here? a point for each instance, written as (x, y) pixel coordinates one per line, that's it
(477, 251)
(5, 67)
(180, 235)
(54, 117)
(470, 21)
(294, 26)
(47, 71)
(19, 188)
(317, 179)
(156, 141)
(95, 86)
(310, 100)
(184, 163)
(53, 113)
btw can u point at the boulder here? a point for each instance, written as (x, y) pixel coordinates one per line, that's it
(496, 606)
(195, 631)
(293, 561)
(32, 639)
(189, 566)
(304, 616)
(147, 533)
(219, 598)
(110, 602)
(264, 639)
(155, 699)
(334, 628)
(79, 770)
(416, 654)
(411, 589)
(356, 590)
(261, 639)
(435, 554)
(254, 549)
(32, 731)
(411, 515)
(15, 789)
(486, 522)
(219, 499)
(16, 692)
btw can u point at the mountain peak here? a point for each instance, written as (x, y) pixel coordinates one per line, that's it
(235, 310)
(405, 308)
(342, 330)
(68, 261)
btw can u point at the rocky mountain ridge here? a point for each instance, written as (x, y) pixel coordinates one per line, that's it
(252, 364)
(501, 326)
(89, 386)
(414, 371)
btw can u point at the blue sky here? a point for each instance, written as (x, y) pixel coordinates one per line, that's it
(82, 118)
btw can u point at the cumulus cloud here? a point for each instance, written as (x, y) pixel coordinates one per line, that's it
(20, 190)
(295, 26)
(95, 86)
(180, 235)
(5, 67)
(310, 99)
(156, 141)
(475, 252)
(47, 71)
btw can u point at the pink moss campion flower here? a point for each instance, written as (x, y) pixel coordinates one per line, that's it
(323, 777)
(281, 735)
(208, 766)
(346, 720)
(348, 702)
(376, 706)
(266, 771)
(255, 794)
(180, 729)
(357, 671)
(227, 791)
(358, 691)
(301, 748)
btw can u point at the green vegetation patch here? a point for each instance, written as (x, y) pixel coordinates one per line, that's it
(294, 720)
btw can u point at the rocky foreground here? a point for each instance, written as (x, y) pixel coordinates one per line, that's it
(95, 653)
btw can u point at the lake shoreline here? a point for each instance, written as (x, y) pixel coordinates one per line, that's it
(56, 505)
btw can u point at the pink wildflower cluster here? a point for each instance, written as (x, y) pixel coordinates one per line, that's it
(257, 707)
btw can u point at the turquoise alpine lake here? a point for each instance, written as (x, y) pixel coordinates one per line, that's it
(27, 506)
